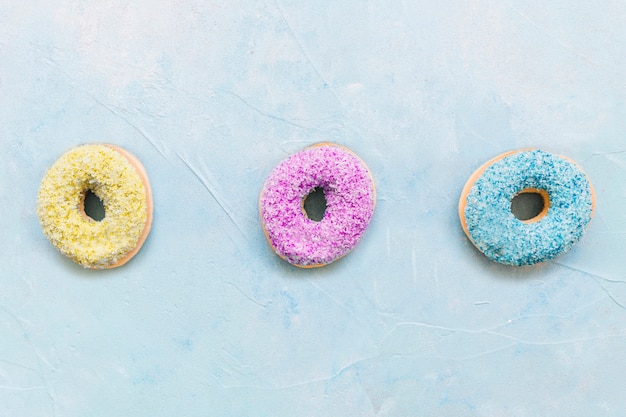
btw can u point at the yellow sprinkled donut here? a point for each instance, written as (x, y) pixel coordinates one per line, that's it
(120, 181)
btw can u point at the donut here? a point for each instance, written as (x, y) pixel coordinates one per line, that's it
(485, 206)
(350, 194)
(116, 177)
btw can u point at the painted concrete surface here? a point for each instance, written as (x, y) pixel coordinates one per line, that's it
(211, 95)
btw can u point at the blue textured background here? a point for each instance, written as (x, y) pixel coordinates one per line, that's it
(206, 320)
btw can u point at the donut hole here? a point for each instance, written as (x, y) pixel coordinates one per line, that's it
(314, 204)
(93, 207)
(530, 205)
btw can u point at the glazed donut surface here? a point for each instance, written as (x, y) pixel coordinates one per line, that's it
(120, 181)
(485, 206)
(350, 200)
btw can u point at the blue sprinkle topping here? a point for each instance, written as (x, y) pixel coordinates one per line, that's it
(497, 233)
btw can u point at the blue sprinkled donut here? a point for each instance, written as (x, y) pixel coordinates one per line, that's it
(487, 219)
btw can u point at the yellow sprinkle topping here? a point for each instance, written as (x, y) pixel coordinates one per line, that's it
(111, 177)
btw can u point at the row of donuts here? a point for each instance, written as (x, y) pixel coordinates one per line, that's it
(120, 181)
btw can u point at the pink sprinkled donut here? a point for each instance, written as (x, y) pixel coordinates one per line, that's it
(350, 199)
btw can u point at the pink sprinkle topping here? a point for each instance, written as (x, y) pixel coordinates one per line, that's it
(350, 200)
